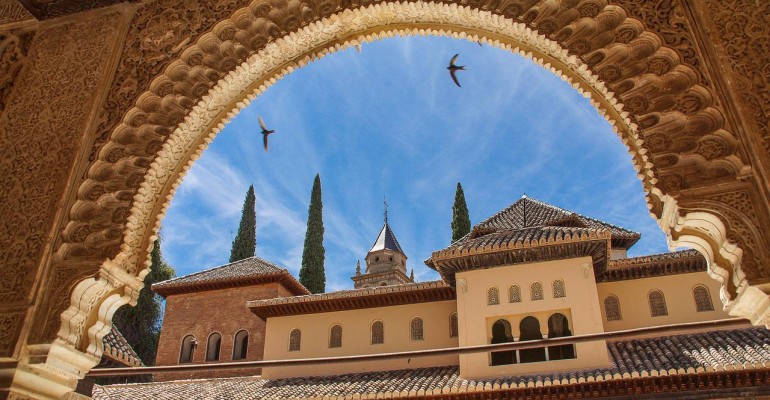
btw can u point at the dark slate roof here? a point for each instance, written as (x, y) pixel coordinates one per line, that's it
(528, 212)
(248, 271)
(386, 240)
(117, 348)
(691, 354)
(678, 262)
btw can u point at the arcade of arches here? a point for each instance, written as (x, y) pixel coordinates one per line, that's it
(104, 104)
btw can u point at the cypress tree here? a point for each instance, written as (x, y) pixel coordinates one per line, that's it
(140, 325)
(245, 242)
(461, 222)
(312, 274)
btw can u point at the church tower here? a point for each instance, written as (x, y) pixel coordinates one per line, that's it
(385, 261)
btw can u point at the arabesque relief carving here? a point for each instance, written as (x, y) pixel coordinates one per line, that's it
(41, 130)
(659, 92)
(743, 30)
(13, 55)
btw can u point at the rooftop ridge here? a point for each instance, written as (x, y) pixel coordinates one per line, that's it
(172, 280)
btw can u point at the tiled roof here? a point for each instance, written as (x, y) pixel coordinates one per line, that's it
(248, 271)
(678, 262)
(697, 354)
(386, 240)
(485, 249)
(519, 238)
(117, 348)
(379, 296)
(527, 212)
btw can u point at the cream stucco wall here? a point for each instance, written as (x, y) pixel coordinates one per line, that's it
(356, 339)
(580, 306)
(677, 290)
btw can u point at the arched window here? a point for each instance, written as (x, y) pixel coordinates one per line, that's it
(530, 330)
(657, 303)
(514, 294)
(240, 345)
(378, 332)
(453, 331)
(335, 336)
(558, 289)
(612, 308)
(212, 347)
(558, 326)
(702, 299)
(493, 296)
(188, 347)
(415, 328)
(501, 333)
(536, 291)
(295, 339)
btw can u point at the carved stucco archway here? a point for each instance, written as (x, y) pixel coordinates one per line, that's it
(669, 121)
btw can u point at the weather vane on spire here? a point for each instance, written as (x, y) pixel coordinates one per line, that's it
(384, 200)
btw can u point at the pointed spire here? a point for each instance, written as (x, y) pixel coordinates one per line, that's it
(411, 275)
(358, 268)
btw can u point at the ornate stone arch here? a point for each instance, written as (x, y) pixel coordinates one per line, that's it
(666, 117)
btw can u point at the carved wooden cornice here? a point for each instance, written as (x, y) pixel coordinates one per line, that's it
(381, 296)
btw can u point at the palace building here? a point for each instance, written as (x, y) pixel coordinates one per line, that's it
(532, 271)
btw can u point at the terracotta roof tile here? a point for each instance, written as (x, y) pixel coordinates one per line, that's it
(678, 262)
(741, 349)
(117, 348)
(247, 270)
(408, 293)
(538, 213)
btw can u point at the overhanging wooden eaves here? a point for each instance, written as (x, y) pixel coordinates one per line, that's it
(382, 296)
(593, 243)
(283, 277)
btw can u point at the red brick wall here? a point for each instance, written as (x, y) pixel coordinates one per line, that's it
(203, 313)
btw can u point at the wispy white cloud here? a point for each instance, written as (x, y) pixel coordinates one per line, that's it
(390, 122)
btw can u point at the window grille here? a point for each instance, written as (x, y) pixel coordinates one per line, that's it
(612, 308)
(416, 328)
(378, 332)
(702, 299)
(453, 330)
(558, 289)
(295, 339)
(335, 336)
(514, 294)
(657, 304)
(493, 296)
(536, 291)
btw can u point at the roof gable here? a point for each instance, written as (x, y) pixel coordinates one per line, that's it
(528, 212)
(251, 270)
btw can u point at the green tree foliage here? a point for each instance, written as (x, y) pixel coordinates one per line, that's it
(312, 274)
(140, 325)
(245, 243)
(461, 222)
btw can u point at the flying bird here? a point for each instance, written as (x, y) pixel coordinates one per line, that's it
(453, 68)
(265, 132)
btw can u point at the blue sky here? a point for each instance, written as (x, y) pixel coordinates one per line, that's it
(389, 122)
